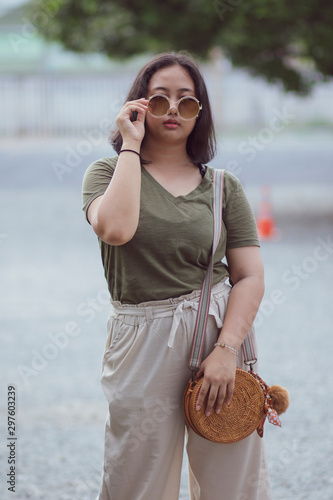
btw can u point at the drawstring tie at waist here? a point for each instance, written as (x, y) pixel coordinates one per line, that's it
(177, 317)
(149, 312)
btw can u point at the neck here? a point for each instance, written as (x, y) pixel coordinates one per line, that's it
(171, 153)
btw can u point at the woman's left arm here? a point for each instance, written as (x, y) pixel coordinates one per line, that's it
(219, 368)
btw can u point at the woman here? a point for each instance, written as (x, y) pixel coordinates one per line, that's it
(151, 208)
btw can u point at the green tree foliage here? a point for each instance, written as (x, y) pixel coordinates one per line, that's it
(283, 41)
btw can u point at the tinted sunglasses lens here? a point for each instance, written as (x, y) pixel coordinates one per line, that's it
(188, 108)
(158, 106)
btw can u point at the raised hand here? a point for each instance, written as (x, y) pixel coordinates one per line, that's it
(132, 131)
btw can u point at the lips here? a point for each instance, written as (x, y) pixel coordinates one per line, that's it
(172, 124)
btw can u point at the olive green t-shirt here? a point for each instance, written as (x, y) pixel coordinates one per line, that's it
(169, 253)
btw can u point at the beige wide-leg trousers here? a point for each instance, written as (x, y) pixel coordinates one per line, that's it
(144, 376)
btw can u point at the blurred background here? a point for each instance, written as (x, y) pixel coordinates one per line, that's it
(65, 69)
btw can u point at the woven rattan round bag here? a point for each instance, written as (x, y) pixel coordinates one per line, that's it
(244, 415)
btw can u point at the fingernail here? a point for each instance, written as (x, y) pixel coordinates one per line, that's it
(207, 413)
(217, 411)
(198, 407)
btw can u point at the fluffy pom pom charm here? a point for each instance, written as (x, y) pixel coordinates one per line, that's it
(280, 398)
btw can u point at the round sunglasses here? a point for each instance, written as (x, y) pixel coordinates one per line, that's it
(187, 107)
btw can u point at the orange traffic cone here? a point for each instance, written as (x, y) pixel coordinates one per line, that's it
(265, 220)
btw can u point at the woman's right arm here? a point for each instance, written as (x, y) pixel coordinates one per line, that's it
(114, 216)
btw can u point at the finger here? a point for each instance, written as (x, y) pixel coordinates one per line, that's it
(141, 109)
(211, 400)
(124, 117)
(224, 396)
(139, 102)
(202, 394)
(130, 106)
(134, 101)
(230, 392)
(210, 392)
(220, 399)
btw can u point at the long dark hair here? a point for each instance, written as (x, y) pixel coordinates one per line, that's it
(201, 143)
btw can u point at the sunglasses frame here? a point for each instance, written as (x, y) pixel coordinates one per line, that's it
(176, 104)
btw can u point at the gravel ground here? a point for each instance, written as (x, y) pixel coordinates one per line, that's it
(52, 278)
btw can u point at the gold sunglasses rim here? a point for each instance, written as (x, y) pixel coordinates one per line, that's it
(177, 105)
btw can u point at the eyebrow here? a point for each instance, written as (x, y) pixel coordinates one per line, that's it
(178, 90)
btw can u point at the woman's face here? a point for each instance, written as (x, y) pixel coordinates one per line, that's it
(174, 82)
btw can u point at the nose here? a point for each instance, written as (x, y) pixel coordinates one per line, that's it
(173, 109)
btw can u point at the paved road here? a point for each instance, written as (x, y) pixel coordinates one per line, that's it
(53, 316)
(289, 158)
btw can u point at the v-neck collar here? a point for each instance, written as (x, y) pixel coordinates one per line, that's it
(204, 184)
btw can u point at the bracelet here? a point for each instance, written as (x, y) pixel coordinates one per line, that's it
(225, 346)
(130, 151)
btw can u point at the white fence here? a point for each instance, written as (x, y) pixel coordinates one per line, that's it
(58, 104)
(66, 104)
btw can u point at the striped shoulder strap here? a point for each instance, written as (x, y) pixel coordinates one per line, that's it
(202, 316)
(203, 309)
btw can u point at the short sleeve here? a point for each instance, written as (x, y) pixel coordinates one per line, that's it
(238, 216)
(96, 180)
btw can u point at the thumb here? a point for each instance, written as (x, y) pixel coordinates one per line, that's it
(199, 373)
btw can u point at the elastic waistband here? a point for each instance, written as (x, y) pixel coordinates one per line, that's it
(163, 307)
